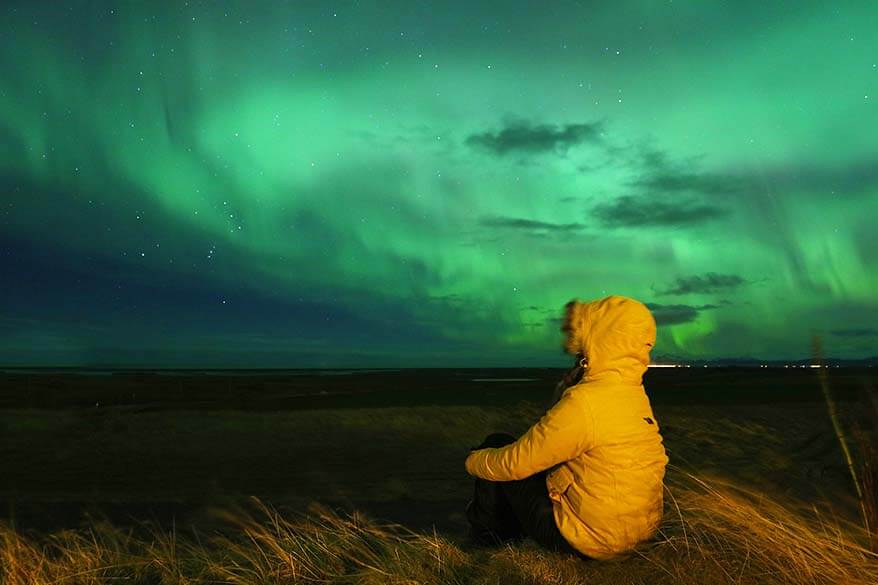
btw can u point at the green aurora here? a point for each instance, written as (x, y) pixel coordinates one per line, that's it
(405, 183)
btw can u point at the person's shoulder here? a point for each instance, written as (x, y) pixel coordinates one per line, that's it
(579, 394)
(599, 393)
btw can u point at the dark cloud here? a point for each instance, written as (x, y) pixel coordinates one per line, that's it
(524, 137)
(853, 178)
(861, 332)
(452, 300)
(689, 182)
(676, 314)
(529, 224)
(709, 283)
(689, 197)
(659, 175)
(656, 174)
(631, 211)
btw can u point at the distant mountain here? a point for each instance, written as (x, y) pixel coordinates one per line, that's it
(748, 361)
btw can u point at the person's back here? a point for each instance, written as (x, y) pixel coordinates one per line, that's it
(600, 442)
(610, 497)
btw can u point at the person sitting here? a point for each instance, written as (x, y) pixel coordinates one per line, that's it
(587, 478)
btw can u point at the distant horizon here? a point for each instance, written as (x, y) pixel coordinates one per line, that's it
(717, 362)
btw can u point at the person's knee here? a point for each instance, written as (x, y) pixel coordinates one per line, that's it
(497, 440)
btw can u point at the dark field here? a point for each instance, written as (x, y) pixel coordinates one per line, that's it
(167, 447)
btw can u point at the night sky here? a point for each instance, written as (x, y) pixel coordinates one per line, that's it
(333, 184)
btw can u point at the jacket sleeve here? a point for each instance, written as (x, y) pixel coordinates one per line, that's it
(564, 432)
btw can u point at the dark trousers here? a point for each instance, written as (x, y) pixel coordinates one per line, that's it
(510, 510)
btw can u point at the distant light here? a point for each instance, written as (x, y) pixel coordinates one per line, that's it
(663, 366)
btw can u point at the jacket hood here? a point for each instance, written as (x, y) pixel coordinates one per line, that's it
(615, 334)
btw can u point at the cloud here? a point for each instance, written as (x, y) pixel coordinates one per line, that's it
(522, 136)
(709, 283)
(658, 175)
(528, 224)
(704, 183)
(631, 211)
(854, 177)
(677, 314)
(862, 332)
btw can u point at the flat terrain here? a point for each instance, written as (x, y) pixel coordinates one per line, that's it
(168, 446)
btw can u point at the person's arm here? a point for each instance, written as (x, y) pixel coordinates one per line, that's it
(564, 432)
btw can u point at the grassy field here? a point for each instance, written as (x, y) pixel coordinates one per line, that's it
(187, 453)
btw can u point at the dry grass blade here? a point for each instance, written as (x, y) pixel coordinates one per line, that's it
(732, 526)
(836, 423)
(714, 532)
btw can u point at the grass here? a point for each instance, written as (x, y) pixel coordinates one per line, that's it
(861, 468)
(714, 532)
(868, 485)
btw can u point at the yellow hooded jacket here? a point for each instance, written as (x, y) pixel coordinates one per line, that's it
(601, 439)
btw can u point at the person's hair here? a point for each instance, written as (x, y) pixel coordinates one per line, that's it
(571, 377)
(567, 315)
